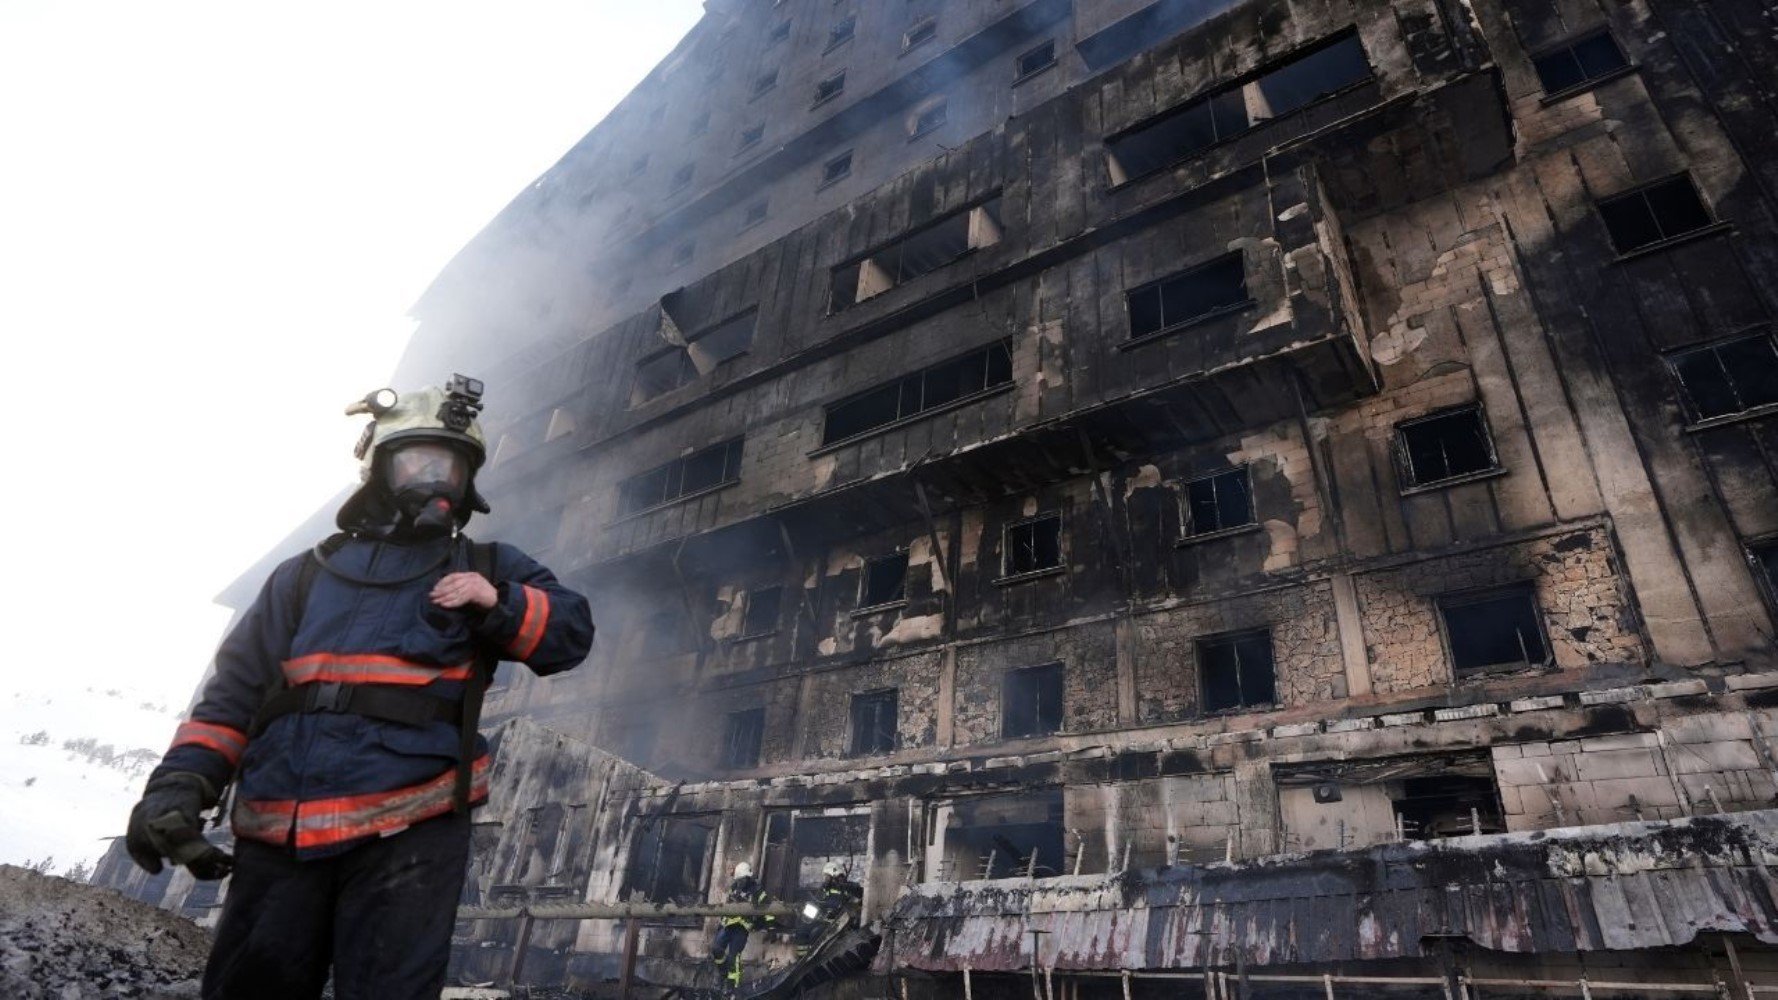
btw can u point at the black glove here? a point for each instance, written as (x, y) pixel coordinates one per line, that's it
(166, 823)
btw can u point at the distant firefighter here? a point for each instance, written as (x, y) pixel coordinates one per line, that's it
(344, 706)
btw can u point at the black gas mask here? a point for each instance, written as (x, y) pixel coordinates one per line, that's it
(427, 482)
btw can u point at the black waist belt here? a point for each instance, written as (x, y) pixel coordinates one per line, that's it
(411, 708)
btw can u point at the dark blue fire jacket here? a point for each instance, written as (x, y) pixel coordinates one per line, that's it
(322, 781)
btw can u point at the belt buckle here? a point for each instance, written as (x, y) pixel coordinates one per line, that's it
(329, 696)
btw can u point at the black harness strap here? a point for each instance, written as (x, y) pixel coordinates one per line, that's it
(487, 659)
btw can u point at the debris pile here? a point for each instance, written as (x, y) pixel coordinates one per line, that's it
(62, 940)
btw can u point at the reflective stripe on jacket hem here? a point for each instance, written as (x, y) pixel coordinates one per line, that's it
(369, 668)
(326, 822)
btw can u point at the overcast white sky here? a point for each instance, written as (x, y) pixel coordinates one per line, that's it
(213, 217)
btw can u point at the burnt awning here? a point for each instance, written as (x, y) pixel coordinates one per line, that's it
(1601, 888)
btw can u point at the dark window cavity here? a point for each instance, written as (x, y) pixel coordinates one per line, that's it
(841, 33)
(873, 722)
(756, 214)
(661, 373)
(761, 616)
(930, 119)
(942, 384)
(1218, 503)
(830, 88)
(717, 465)
(922, 251)
(1237, 671)
(1222, 114)
(1765, 559)
(1146, 28)
(1204, 291)
(764, 82)
(1494, 629)
(751, 135)
(885, 581)
(1031, 701)
(1654, 214)
(1035, 60)
(1449, 805)
(670, 860)
(920, 34)
(1033, 546)
(742, 733)
(1446, 446)
(682, 178)
(836, 168)
(725, 341)
(780, 32)
(1732, 377)
(1579, 62)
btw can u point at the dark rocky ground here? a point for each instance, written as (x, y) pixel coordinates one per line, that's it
(61, 940)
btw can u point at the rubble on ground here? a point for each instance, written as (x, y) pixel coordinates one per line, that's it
(62, 940)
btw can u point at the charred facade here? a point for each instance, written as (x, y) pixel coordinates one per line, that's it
(1101, 445)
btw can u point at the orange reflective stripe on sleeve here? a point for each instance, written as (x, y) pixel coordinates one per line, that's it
(531, 627)
(368, 668)
(227, 741)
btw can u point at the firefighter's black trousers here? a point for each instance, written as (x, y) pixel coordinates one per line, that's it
(380, 915)
(725, 951)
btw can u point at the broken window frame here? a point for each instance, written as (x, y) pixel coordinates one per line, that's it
(1586, 81)
(756, 214)
(684, 374)
(656, 832)
(764, 84)
(841, 32)
(1678, 363)
(1404, 455)
(1007, 541)
(750, 137)
(887, 267)
(912, 393)
(1234, 641)
(753, 625)
(1160, 288)
(1041, 676)
(1350, 773)
(930, 120)
(1640, 196)
(919, 33)
(673, 479)
(1220, 104)
(1471, 598)
(1189, 529)
(829, 88)
(743, 739)
(869, 600)
(1024, 70)
(706, 358)
(864, 740)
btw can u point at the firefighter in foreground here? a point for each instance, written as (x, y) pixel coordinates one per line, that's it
(731, 935)
(344, 707)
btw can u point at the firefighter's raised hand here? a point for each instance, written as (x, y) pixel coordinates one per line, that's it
(459, 590)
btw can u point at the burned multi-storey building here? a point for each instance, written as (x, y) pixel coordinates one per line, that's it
(1268, 496)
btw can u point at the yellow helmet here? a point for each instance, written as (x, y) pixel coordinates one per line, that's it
(435, 413)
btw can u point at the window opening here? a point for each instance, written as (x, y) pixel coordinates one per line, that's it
(1765, 560)
(717, 465)
(660, 374)
(761, 616)
(1492, 630)
(1145, 29)
(780, 32)
(998, 836)
(638, 165)
(874, 722)
(751, 136)
(920, 34)
(1237, 671)
(1732, 377)
(764, 82)
(1226, 113)
(681, 178)
(1219, 502)
(943, 384)
(670, 860)
(683, 253)
(836, 168)
(756, 213)
(830, 88)
(1031, 701)
(1036, 60)
(1353, 803)
(1446, 446)
(799, 844)
(919, 252)
(1579, 62)
(1654, 214)
(885, 581)
(742, 733)
(700, 124)
(725, 341)
(929, 120)
(1206, 290)
(1034, 545)
(842, 32)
